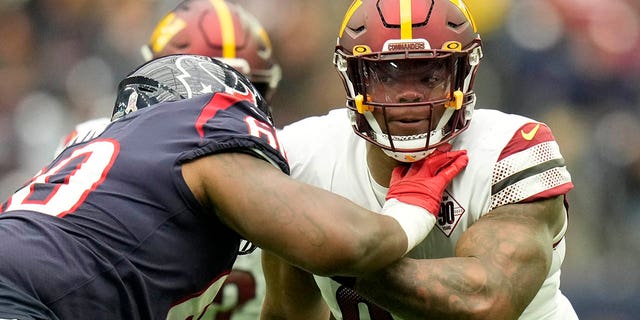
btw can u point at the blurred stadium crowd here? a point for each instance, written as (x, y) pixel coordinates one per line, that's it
(571, 63)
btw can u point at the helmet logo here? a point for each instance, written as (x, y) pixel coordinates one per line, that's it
(361, 49)
(452, 45)
(185, 65)
(352, 9)
(132, 103)
(460, 4)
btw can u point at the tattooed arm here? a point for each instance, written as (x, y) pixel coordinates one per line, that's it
(500, 264)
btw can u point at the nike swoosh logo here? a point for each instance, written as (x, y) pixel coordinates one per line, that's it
(529, 135)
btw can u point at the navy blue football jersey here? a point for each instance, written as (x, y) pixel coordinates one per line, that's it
(111, 222)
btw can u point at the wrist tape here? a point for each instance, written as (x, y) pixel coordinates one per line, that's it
(416, 221)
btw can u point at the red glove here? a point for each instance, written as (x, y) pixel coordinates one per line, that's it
(423, 183)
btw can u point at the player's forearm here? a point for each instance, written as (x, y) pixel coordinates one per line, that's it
(291, 293)
(451, 288)
(500, 265)
(366, 241)
(345, 239)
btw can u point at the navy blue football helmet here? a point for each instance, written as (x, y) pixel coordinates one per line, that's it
(179, 77)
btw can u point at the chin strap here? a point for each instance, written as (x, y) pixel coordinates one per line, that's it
(435, 135)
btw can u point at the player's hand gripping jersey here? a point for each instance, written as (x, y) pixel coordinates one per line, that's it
(512, 159)
(117, 203)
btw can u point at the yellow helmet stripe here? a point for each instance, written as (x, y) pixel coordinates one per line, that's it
(352, 9)
(406, 30)
(460, 4)
(166, 29)
(226, 28)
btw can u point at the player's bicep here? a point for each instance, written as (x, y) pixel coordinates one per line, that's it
(291, 293)
(241, 188)
(518, 224)
(277, 213)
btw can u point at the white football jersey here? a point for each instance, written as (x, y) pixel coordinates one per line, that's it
(511, 159)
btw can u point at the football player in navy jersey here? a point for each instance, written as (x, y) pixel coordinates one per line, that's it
(144, 219)
(496, 251)
(227, 32)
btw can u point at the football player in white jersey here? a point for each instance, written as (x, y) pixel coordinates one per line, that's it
(225, 31)
(496, 251)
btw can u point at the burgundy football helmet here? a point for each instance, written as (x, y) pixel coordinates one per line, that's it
(221, 30)
(408, 69)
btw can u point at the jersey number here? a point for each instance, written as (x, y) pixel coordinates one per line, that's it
(60, 189)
